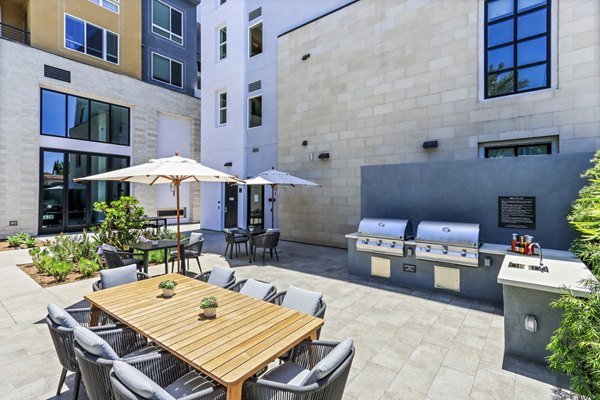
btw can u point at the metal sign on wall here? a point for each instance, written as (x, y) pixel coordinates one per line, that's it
(516, 212)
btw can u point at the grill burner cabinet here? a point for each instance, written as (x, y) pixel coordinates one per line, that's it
(449, 242)
(383, 236)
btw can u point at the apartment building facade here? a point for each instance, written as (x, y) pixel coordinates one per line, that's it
(73, 103)
(239, 100)
(391, 82)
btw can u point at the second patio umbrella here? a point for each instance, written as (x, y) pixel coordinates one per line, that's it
(172, 170)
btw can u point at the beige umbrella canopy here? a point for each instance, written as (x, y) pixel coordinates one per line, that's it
(275, 178)
(172, 170)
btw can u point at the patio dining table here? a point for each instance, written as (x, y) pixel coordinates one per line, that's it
(246, 335)
(147, 247)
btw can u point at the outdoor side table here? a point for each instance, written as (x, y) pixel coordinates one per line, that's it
(246, 335)
(147, 247)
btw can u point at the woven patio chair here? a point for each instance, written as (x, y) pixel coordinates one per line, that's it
(96, 351)
(168, 379)
(61, 324)
(254, 288)
(219, 276)
(192, 250)
(118, 276)
(317, 370)
(266, 241)
(302, 300)
(117, 259)
(234, 240)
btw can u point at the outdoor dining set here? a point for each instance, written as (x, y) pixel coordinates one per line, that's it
(132, 342)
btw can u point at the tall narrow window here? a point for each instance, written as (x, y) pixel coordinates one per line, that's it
(517, 46)
(223, 43)
(255, 37)
(167, 70)
(222, 99)
(167, 21)
(90, 39)
(254, 111)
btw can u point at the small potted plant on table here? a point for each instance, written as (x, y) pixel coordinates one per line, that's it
(209, 305)
(168, 287)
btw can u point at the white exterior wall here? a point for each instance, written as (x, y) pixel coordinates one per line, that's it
(22, 77)
(234, 142)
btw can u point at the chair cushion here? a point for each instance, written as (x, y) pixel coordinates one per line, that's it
(108, 247)
(220, 276)
(190, 383)
(302, 300)
(94, 344)
(138, 383)
(329, 363)
(195, 237)
(288, 373)
(61, 318)
(256, 289)
(118, 276)
(272, 230)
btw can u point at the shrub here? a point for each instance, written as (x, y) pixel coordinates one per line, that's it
(209, 302)
(21, 239)
(37, 255)
(168, 284)
(156, 257)
(122, 224)
(88, 268)
(575, 345)
(59, 269)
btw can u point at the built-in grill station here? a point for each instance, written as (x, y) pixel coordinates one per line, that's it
(448, 242)
(383, 235)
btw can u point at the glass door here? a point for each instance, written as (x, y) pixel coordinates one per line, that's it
(256, 195)
(77, 194)
(52, 202)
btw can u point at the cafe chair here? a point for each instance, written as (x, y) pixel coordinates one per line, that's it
(118, 276)
(117, 259)
(316, 370)
(61, 324)
(269, 241)
(97, 351)
(168, 379)
(219, 276)
(258, 289)
(192, 250)
(234, 240)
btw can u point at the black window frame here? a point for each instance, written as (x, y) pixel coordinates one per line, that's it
(514, 69)
(516, 147)
(89, 100)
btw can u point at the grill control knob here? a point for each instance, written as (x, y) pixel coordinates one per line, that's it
(428, 249)
(463, 253)
(366, 241)
(393, 245)
(379, 243)
(445, 250)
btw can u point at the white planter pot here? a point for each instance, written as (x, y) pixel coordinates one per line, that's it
(210, 312)
(168, 292)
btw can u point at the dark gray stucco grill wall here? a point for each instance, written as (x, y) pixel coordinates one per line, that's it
(185, 54)
(468, 191)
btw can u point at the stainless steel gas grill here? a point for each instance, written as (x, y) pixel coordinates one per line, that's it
(383, 236)
(450, 242)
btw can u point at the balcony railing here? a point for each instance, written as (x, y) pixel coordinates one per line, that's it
(14, 34)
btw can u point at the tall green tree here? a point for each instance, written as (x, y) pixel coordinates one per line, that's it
(123, 221)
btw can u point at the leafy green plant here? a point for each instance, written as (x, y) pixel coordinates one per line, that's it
(45, 263)
(37, 255)
(88, 268)
(124, 219)
(21, 239)
(209, 302)
(167, 284)
(59, 269)
(575, 345)
(156, 257)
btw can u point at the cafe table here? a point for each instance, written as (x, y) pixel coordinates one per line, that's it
(245, 336)
(147, 247)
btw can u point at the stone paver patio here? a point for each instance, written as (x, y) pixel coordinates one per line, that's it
(411, 344)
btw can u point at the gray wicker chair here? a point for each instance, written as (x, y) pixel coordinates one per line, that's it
(269, 241)
(304, 357)
(62, 337)
(192, 250)
(171, 377)
(234, 240)
(320, 313)
(116, 259)
(265, 295)
(117, 271)
(206, 277)
(129, 346)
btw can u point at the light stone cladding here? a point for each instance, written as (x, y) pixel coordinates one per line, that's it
(384, 76)
(21, 80)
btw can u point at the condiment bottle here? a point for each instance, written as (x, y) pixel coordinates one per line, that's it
(513, 244)
(522, 244)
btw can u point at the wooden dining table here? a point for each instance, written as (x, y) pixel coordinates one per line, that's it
(246, 335)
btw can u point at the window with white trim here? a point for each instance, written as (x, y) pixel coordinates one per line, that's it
(255, 39)
(222, 108)
(112, 5)
(255, 111)
(167, 70)
(167, 21)
(90, 39)
(222, 43)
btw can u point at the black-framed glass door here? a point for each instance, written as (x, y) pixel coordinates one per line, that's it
(256, 214)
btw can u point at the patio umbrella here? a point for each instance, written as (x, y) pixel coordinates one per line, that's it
(172, 170)
(274, 179)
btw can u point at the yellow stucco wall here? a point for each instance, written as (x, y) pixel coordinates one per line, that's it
(12, 14)
(46, 20)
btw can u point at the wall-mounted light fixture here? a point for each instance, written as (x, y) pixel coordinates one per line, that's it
(431, 144)
(305, 57)
(228, 164)
(530, 323)
(305, 143)
(324, 156)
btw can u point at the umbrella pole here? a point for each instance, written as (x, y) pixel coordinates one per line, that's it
(178, 238)
(272, 206)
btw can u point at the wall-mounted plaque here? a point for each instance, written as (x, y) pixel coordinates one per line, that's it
(409, 268)
(516, 212)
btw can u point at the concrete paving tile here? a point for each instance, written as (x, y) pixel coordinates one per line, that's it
(463, 358)
(530, 389)
(450, 384)
(471, 336)
(392, 357)
(411, 382)
(441, 335)
(489, 384)
(428, 357)
(371, 383)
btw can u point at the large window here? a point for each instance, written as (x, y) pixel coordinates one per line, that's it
(112, 5)
(222, 104)
(81, 118)
(167, 70)
(67, 205)
(254, 111)
(222, 43)
(517, 46)
(167, 21)
(86, 38)
(255, 38)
